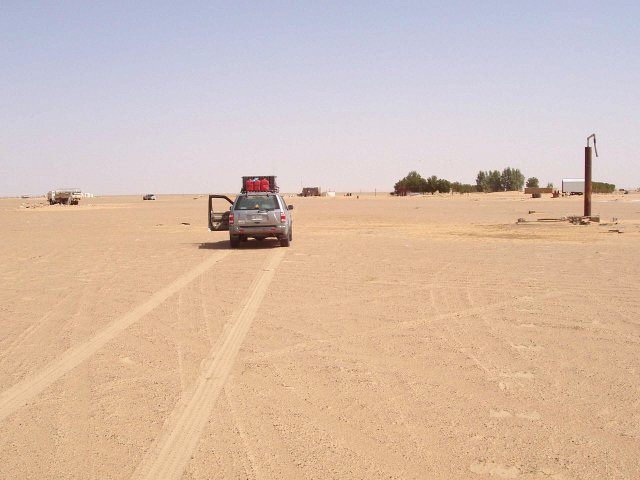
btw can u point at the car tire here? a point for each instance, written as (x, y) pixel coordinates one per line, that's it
(284, 241)
(290, 234)
(234, 241)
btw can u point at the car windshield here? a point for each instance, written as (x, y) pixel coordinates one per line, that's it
(256, 202)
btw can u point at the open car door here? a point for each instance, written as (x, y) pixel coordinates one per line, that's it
(219, 213)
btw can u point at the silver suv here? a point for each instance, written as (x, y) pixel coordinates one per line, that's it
(256, 215)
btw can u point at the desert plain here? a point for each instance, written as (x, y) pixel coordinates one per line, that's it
(427, 337)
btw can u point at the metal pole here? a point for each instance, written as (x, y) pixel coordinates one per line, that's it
(587, 181)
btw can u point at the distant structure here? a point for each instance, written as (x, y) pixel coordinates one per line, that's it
(573, 186)
(536, 192)
(310, 192)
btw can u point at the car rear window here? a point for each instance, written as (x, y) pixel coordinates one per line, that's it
(257, 202)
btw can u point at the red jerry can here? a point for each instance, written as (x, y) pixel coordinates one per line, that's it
(264, 185)
(249, 185)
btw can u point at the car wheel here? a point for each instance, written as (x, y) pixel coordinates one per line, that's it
(234, 241)
(291, 234)
(284, 241)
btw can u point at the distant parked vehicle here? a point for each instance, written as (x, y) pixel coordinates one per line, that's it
(149, 196)
(310, 192)
(64, 196)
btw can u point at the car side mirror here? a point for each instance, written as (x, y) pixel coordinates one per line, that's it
(289, 207)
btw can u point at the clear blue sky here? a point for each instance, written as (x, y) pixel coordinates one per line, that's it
(123, 97)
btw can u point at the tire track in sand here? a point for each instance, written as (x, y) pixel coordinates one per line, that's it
(15, 397)
(15, 345)
(173, 449)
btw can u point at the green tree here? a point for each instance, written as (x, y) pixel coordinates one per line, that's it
(490, 181)
(482, 182)
(432, 184)
(511, 179)
(413, 182)
(533, 182)
(495, 181)
(602, 187)
(463, 187)
(443, 186)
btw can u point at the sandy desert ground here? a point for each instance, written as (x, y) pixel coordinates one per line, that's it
(397, 338)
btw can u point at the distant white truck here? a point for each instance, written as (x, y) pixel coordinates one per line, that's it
(64, 196)
(573, 186)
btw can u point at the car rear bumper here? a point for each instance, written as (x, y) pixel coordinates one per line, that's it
(259, 231)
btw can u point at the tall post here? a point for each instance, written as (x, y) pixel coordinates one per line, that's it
(587, 181)
(587, 174)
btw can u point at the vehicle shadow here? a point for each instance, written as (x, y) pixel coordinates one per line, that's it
(220, 245)
(248, 245)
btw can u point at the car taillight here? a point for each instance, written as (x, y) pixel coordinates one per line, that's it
(283, 217)
(230, 218)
